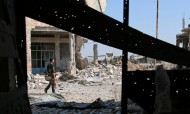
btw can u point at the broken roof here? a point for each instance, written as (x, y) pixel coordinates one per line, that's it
(47, 28)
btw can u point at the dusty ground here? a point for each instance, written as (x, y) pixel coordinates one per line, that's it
(87, 86)
(73, 91)
(81, 93)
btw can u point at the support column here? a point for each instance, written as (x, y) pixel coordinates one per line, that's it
(28, 51)
(95, 46)
(71, 63)
(57, 51)
(177, 42)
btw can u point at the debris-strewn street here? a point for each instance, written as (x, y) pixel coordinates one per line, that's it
(93, 90)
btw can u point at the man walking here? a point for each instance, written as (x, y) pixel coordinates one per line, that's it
(51, 72)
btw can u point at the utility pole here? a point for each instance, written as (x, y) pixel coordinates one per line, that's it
(157, 9)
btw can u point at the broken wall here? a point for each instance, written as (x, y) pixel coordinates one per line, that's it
(80, 62)
(64, 55)
(30, 23)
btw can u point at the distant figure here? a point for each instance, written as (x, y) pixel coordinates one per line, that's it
(162, 99)
(51, 72)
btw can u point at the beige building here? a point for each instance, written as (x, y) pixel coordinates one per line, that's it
(183, 38)
(45, 41)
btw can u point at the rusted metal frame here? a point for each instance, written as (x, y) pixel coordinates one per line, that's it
(141, 86)
(21, 44)
(138, 42)
(22, 59)
(124, 96)
(141, 89)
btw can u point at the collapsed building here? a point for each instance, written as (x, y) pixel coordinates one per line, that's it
(45, 41)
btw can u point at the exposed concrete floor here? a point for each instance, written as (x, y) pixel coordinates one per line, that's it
(81, 93)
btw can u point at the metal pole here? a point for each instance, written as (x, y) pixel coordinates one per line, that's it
(124, 96)
(157, 7)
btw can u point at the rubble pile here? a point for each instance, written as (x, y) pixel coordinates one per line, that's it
(99, 74)
(133, 66)
(37, 81)
(107, 70)
(92, 73)
(100, 70)
(95, 81)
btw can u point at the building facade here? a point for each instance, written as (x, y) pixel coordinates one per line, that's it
(45, 41)
(182, 39)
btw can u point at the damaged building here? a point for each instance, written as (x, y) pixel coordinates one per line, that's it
(139, 86)
(45, 41)
(182, 39)
(139, 59)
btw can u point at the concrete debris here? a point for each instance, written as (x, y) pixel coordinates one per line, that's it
(66, 76)
(36, 82)
(133, 67)
(95, 79)
(88, 85)
(99, 74)
(30, 76)
(99, 70)
(104, 73)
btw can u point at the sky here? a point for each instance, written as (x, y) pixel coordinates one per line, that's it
(142, 16)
